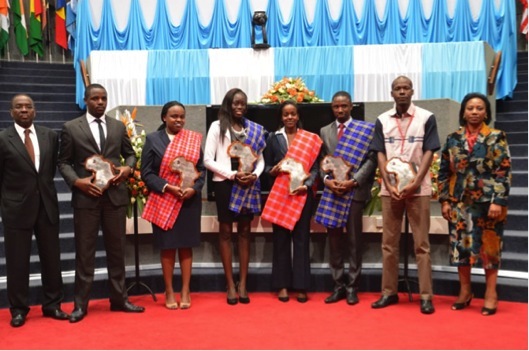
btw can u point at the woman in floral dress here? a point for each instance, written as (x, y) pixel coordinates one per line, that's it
(474, 183)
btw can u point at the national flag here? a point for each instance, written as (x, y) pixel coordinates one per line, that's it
(523, 23)
(21, 29)
(71, 23)
(4, 24)
(35, 27)
(60, 24)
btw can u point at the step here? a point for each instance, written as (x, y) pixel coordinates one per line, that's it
(518, 150)
(517, 138)
(512, 116)
(511, 126)
(519, 94)
(519, 163)
(68, 96)
(519, 179)
(517, 201)
(31, 88)
(516, 219)
(67, 262)
(513, 261)
(17, 77)
(511, 105)
(515, 241)
(57, 106)
(36, 65)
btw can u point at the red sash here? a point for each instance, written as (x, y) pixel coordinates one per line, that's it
(163, 209)
(284, 209)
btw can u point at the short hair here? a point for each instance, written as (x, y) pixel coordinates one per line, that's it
(342, 93)
(91, 87)
(167, 106)
(22, 94)
(465, 101)
(401, 77)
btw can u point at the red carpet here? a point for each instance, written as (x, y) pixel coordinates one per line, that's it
(267, 323)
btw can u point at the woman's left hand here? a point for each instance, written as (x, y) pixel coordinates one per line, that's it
(494, 211)
(186, 194)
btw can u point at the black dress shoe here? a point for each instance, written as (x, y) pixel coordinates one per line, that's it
(56, 314)
(427, 307)
(77, 315)
(352, 297)
(302, 297)
(127, 307)
(385, 301)
(18, 320)
(336, 296)
(283, 298)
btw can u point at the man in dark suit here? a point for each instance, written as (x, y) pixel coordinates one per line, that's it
(29, 205)
(85, 136)
(351, 194)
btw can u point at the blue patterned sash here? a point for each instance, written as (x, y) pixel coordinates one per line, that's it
(249, 198)
(333, 209)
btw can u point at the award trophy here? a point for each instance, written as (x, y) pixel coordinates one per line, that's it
(102, 169)
(245, 154)
(401, 172)
(336, 165)
(295, 171)
(187, 171)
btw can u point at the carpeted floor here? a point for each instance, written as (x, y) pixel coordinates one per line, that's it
(267, 323)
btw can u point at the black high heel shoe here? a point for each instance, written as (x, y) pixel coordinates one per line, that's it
(461, 305)
(242, 299)
(488, 311)
(231, 300)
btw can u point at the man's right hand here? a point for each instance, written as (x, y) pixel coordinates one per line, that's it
(335, 186)
(87, 187)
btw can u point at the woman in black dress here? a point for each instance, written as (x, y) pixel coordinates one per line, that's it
(174, 210)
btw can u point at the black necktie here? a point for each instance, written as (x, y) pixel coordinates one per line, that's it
(101, 135)
(29, 145)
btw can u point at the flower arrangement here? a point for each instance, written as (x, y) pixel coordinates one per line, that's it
(138, 191)
(375, 204)
(289, 89)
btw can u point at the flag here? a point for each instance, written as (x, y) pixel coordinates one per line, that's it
(19, 23)
(4, 25)
(71, 23)
(60, 24)
(35, 26)
(523, 23)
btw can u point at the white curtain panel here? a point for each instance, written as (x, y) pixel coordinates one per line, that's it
(246, 69)
(122, 73)
(376, 66)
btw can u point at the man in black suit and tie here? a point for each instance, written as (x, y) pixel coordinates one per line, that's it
(85, 136)
(342, 203)
(29, 205)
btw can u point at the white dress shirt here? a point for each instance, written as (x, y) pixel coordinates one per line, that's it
(34, 140)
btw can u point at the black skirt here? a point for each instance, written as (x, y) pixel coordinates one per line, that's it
(222, 200)
(186, 230)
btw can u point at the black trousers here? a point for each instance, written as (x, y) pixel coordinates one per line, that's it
(347, 247)
(87, 223)
(291, 253)
(18, 252)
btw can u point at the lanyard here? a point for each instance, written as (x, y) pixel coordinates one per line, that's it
(403, 134)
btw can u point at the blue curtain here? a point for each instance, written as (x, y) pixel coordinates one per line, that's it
(181, 75)
(496, 26)
(453, 71)
(325, 70)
